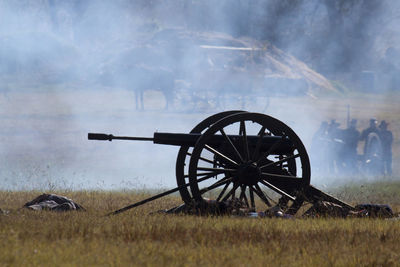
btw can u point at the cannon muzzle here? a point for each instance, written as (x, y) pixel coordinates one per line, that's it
(110, 137)
(100, 136)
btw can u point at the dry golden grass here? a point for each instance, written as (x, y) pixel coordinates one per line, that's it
(136, 238)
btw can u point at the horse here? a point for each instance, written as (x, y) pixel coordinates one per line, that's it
(146, 78)
(140, 78)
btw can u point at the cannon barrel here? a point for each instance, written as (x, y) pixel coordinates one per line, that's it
(183, 139)
(110, 137)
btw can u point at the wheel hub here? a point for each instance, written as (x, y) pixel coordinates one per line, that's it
(248, 174)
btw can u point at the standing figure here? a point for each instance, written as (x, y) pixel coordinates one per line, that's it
(371, 129)
(386, 140)
(320, 148)
(372, 161)
(336, 145)
(350, 137)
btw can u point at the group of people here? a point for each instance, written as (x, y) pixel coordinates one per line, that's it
(335, 150)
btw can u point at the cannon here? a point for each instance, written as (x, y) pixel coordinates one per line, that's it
(241, 155)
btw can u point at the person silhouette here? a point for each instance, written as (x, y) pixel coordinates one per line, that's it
(386, 137)
(372, 159)
(372, 128)
(320, 148)
(349, 154)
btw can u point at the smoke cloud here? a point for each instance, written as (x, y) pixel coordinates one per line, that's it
(72, 67)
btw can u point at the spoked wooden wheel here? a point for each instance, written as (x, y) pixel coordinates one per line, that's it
(251, 157)
(185, 152)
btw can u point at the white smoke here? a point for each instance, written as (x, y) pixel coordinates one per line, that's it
(66, 69)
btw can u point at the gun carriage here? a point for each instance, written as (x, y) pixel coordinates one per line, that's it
(236, 154)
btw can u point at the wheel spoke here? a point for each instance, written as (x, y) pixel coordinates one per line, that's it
(276, 189)
(204, 178)
(207, 175)
(223, 191)
(232, 192)
(207, 160)
(216, 170)
(198, 174)
(259, 142)
(266, 175)
(261, 195)
(284, 182)
(202, 174)
(232, 145)
(225, 158)
(280, 161)
(216, 184)
(245, 141)
(243, 195)
(253, 205)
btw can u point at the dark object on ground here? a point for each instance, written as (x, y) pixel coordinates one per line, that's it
(328, 209)
(376, 210)
(4, 212)
(233, 207)
(53, 202)
(320, 209)
(211, 207)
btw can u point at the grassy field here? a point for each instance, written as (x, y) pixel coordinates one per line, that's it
(138, 238)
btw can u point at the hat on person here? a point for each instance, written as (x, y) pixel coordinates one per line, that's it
(335, 123)
(383, 124)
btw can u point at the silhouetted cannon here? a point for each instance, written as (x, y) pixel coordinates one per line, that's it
(238, 154)
(181, 139)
